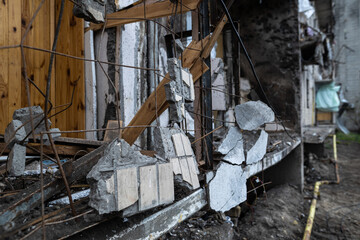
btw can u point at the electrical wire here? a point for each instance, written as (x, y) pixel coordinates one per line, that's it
(251, 63)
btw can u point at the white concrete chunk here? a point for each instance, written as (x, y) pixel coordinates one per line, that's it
(127, 187)
(148, 188)
(187, 145)
(230, 141)
(258, 151)
(228, 188)
(193, 172)
(253, 114)
(16, 162)
(175, 165)
(166, 184)
(236, 155)
(185, 170)
(11, 136)
(179, 148)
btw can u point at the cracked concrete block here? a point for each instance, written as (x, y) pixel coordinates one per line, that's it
(236, 155)
(148, 188)
(16, 162)
(218, 82)
(166, 183)
(120, 4)
(179, 146)
(90, 10)
(228, 188)
(176, 165)
(179, 90)
(163, 144)
(23, 115)
(11, 137)
(258, 151)
(55, 133)
(230, 141)
(104, 188)
(251, 115)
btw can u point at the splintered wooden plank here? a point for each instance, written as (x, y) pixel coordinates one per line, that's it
(185, 170)
(14, 56)
(157, 100)
(4, 65)
(127, 187)
(153, 9)
(166, 184)
(193, 172)
(70, 72)
(176, 165)
(148, 188)
(179, 148)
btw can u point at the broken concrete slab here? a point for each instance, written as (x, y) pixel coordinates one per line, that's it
(230, 141)
(55, 133)
(12, 136)
(258, 151)
(253, 114)
(218, 84)
(17, 159)
(90, 10)
(23, 115)
(122, 173)
(179, 90)
(228, 188)
(236, 155)
(163, 144)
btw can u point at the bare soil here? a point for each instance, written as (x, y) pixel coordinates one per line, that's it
(282, 212)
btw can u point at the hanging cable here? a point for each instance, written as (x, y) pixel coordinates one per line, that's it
(251, 64)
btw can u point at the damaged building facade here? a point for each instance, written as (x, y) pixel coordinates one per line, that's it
(158, 109)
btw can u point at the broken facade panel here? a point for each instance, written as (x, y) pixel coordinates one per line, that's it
(259, 117)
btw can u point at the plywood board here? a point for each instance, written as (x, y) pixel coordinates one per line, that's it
(153, 9)
(166, 183)
(148, 187)
(127, 187)
(70, 72)
(4, 64)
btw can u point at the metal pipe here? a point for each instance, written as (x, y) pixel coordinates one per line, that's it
(310, 220)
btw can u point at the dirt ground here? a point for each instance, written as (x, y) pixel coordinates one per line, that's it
(282, 212)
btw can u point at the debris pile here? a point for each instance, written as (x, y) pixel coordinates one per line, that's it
(19, 131)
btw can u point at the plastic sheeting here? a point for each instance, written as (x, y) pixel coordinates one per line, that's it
(306, 8)
(327, 98)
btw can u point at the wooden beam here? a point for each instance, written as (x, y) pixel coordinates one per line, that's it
(30, 197)
(156, 103)
(153, 9)
(192, 58)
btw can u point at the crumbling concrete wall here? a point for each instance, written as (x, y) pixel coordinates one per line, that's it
(347, 36)
(270, 33)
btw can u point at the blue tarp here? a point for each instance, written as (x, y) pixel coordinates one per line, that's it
(327, 99)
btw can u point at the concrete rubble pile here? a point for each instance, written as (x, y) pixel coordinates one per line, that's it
(125, 180)
(174, 146)
(227, 188)
(17, 135)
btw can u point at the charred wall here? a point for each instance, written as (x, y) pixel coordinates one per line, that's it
(270, 33)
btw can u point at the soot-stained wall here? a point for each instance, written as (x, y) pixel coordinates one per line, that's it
(270, 33)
